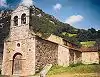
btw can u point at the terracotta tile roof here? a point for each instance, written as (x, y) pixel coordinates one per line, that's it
(89, 49)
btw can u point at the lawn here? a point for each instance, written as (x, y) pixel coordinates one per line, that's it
(69, 34)
(75, 69)
(88, 43)
(75, 75)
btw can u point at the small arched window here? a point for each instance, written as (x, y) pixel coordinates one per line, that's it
(23, 19)
(15, 20)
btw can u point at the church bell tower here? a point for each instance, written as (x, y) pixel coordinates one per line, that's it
(19, 47)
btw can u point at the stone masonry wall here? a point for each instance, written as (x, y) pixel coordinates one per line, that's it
(90, 57)
(46, 53)
(63, 55)
(71, 56)
(21, 31)
(27, 49)
(75, 56)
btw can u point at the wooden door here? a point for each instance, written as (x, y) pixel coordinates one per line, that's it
(17, 64)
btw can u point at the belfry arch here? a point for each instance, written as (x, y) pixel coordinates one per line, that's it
(23, 18)
(15, 20)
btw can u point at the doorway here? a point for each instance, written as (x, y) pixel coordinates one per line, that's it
(17, 64)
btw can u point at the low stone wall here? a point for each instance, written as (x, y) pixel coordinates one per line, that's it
(90, 57)
(46, 52)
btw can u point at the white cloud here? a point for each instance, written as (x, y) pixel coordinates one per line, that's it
(27, 2)
(74, 19)
(3, 3)
(57, 7)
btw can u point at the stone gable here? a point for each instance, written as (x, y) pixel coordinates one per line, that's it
(20, 8)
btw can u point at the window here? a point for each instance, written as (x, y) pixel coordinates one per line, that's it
(18, 44)
(23, 19)
(15, 20)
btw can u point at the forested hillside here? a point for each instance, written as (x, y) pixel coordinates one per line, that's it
(47, 24)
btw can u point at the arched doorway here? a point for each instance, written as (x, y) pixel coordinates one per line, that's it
(17, 64)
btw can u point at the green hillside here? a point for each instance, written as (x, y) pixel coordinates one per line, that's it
(47, 24)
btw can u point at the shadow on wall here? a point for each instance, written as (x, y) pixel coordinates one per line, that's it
(75, 56)
(1, 54)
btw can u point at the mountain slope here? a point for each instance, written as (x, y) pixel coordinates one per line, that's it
(46, 24)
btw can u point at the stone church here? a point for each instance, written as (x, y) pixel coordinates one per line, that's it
(26, 53)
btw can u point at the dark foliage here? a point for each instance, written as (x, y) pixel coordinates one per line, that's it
(47, 25)
(4, 25)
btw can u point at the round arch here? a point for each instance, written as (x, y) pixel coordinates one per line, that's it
(23, 18)
(15, 20)
(17, 64)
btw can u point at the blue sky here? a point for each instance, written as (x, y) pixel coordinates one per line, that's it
(79, 13)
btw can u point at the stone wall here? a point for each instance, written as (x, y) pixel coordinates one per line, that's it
(46, 53)
(26, 49)
(21, 31)
(71, 57)
(19, 41)
(56, 39)
(63, 55)
(90, 57)
(75, 56)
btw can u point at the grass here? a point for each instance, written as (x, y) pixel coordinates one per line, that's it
(74, 75)
(69, 34)
(88, 43)
(78, 68)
